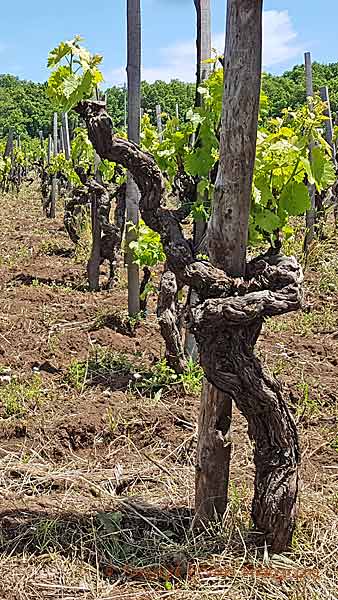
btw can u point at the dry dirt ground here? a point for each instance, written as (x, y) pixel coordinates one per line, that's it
(97, 472)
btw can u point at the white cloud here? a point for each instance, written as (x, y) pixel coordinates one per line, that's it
(178, 60)
(280, 38)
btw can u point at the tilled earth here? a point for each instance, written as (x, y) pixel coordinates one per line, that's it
(73, 452)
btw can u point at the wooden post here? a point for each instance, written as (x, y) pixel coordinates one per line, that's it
(134, 106)
(125, 106)
(311, 214)
(9, 144)
(203, 44)
(324, 94)
(159, 122)
(328, 125)
(54, 179)
(228, 229)
(50, 149)
(93, 265)
(65, 129)
(61, 141)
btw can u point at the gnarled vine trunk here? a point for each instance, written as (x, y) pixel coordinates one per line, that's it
(226, 321)
(106, 236)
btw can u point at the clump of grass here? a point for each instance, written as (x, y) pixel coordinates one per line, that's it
(192, 378)
(50, 247)
(83, 247)
(101, 365)
(308, 404)
(118, 321)
(18, 398)
(277, 325)
(161, 377)
(293, 245)
(104, 366)
(315, 321)
(22, 253)
(323, 259)
(306, 323)
(328, 281)
(334, 443)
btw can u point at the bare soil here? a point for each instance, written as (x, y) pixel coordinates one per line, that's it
(97, 480)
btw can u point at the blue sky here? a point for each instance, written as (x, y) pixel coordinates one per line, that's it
(29, 29)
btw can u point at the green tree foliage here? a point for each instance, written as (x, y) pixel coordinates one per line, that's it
(167, 95)
(117, 105)
(288, 90)
(159, 92)
(24, 107)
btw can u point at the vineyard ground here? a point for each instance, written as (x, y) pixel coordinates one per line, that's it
(97, 480)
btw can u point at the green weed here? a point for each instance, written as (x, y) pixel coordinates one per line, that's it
(306, 323)
(315, 321)
(162, 377)
(334, 443)
(308, 404)
(18, 398)
(159, 377)
(192, 378)
(101, 365)
(22, 253)
(45, 534)
(50, 247)
(83, 247)
(323, 260)
(118, 321)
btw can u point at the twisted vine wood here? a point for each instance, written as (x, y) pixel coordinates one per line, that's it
(226, 321)
(108, 239)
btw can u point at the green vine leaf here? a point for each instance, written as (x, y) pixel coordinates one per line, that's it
(66, 86)
(267, 220)
(295, 199)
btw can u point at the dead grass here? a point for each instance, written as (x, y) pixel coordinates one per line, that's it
(76, 538)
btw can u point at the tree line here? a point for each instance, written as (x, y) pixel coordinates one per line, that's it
(26, 108)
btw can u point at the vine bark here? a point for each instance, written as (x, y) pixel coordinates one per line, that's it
(226, 321)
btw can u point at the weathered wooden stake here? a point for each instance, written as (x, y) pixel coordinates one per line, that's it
(50, 149)
(9, 144)
(203, 45)
(227, 232)
(311, 214)
(61, 141)
(125, 103)
(66, 138)
(328, 125)
(54, 191)
(159, 122)
(134, 106)
(93, 265)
